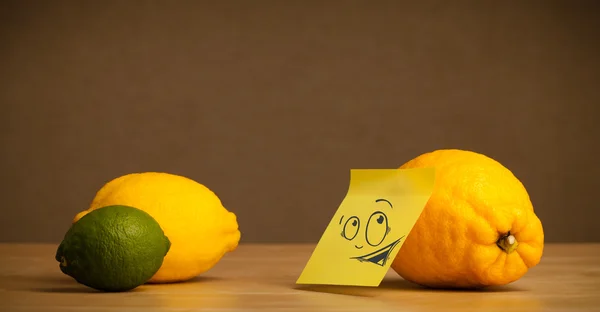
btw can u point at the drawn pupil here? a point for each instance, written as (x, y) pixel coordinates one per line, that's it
(354, 222)
(380, 220)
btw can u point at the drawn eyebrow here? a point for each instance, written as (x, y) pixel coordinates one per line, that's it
(342, 218)
(384, 200)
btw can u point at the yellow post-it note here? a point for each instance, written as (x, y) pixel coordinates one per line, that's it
(370, 226)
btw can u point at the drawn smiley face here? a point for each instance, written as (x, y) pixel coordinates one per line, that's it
(376, 229)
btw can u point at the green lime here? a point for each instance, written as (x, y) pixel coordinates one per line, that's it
(114, 248)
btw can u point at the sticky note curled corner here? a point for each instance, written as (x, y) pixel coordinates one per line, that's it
(369, 227)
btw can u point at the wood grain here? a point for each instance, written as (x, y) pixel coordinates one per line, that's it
(262, 278)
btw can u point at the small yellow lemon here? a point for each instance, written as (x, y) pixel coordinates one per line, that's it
(478, 228)
(200, 229)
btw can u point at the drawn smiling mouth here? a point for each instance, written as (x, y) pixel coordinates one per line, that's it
(380, 256)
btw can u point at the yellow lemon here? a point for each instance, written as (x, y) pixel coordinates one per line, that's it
(200, 229)
(478, 227)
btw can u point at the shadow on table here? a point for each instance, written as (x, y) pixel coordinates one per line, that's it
(44, 283)
(71, 286)
(76, 289)
(65, 284)
(401, 284)
(395, 285)
(197, 279)
(339, 290)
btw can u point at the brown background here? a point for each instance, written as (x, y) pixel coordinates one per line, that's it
(270, 103)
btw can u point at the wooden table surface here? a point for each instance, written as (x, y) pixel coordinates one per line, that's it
(262, 278)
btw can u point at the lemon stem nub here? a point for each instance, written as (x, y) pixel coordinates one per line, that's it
(508, 243)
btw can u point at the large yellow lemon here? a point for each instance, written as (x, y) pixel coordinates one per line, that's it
(478, 228)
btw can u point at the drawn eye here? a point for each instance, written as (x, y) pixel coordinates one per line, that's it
(377, 228)
(351, 228)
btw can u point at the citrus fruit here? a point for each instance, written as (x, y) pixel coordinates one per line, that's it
(115, 248)
(477, 229)
(199, 227)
